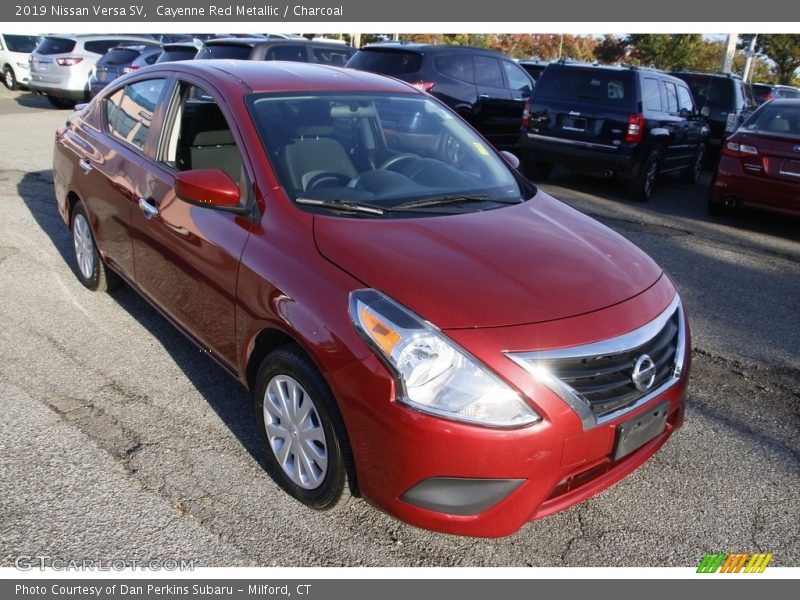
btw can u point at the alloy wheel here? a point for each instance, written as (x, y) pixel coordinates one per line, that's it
(84, 246)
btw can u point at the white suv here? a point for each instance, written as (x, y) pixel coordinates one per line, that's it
(15, 50)
(61, 64)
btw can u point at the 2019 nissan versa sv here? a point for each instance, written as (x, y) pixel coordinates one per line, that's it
(418, 324)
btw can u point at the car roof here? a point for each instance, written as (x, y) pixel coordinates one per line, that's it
(264, 41)
(718, 74)
(90, 37)
(418, 47)
(284, 76)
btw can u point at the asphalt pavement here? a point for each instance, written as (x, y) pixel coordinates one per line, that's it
(120, 439)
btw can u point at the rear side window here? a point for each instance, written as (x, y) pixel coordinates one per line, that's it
(386, 62)
(118, 56)
(487, 72)
(130, 110)
(234, 51)
(516, 77)
(55, 45)
(336, 57)
(775, 119)
(651, 94)
(598, 86)
(672, 96)
(685, 99)
(294, 53)
(455, 66)
(790, 94)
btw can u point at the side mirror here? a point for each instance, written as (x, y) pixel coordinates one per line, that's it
(213, 188)
(705, 111)
(510, 158)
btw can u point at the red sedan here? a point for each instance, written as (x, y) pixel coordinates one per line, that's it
(760, 163)
(418, 324)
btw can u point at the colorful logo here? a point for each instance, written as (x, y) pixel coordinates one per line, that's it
(739, 562)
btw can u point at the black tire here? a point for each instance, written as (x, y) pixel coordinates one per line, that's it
(290, 365)
(536, 170)
(10, 79)
(715, 208)
(641, 187)
(61, 103)
(91, 270)
(691, 174)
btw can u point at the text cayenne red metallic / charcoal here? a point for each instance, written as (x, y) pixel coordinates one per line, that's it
(418, 324)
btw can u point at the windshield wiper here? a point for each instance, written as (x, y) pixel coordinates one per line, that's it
(342, 205)
(452, 199)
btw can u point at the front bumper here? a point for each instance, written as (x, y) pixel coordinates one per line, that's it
(407, 461)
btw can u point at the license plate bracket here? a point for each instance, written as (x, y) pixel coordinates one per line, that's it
(635, 433)
(574, 124)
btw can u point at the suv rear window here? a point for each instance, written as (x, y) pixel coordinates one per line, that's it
(55, 45)
(714, 92)
(587, 85)
(336, 57)
(118, 56)
(101, 46)
(21, 43)
(387, 62)
(233, 51)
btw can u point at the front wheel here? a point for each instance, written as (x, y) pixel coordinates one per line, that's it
(302, 430)
(9, 78)
(92, 271)
(642, 186)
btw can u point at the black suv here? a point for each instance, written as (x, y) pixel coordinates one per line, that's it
(725, 101)
(486, 88)
(613, 121)
(263, 48)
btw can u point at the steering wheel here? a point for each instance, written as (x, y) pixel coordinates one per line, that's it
(399, 158)
(328, 178)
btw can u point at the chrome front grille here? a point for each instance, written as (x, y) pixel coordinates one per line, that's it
(603, 380)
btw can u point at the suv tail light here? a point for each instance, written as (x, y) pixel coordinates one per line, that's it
(738, 150)
(129, 68)
(635, 131)
(425, 86)
(731, 123)
(526, 114)
(68, 61)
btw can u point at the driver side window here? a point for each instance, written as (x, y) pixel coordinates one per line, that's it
(200, 136)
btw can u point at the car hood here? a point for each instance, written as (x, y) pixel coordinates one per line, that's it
(534, 262)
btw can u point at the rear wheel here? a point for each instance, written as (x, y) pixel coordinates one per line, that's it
(9, 78)
(716, 208)
(537, 170)
(692, 172)
(61, 102)
(92, 271)
(302, 430)
(642, 186)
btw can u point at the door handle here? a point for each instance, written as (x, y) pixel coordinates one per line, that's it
(85, 165)
(148, 207)
(484, 96)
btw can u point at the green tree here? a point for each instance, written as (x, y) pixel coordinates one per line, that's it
(783, 50)
(665, 51)
(610, 50)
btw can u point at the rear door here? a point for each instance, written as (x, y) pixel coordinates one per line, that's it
(677, 150)
(584, 104)
(494, 101)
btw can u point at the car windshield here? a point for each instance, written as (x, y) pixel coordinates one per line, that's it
(390, 154)
(780, 119)
(21, 43)
(233, 51)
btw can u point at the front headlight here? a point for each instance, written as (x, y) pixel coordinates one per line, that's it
(433, 374)
(23, 65)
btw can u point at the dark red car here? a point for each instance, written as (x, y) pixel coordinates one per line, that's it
(760, 163)
(417, 323)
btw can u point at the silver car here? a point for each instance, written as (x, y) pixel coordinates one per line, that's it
(14, 53)
(61, 64)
